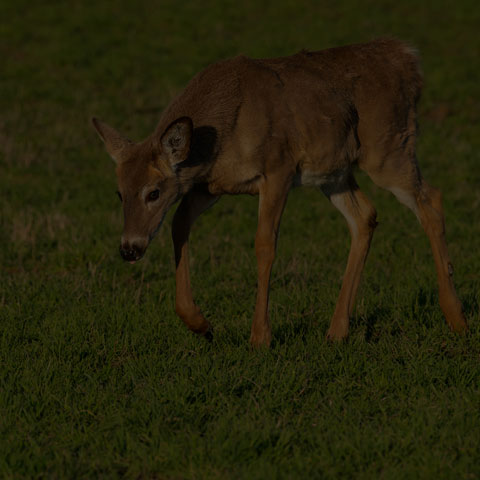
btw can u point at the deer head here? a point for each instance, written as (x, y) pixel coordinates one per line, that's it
(148, 181)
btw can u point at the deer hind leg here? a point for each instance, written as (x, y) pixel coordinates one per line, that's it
(402, 177)
(429, 201)
(191, 207)
(361, 218)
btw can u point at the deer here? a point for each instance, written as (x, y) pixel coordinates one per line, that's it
(264, 126)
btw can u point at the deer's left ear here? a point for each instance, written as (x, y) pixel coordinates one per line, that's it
(117, 145)
(175, 141)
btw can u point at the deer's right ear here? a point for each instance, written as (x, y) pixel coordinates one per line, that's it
(116, 144)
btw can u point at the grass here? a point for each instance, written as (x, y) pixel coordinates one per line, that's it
(98, 378)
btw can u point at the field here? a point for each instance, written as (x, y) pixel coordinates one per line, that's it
(100, 379)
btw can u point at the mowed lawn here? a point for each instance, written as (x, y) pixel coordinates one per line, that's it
(100, 379)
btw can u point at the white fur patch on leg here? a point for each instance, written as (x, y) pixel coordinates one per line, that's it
(407, 198)
(343, 202)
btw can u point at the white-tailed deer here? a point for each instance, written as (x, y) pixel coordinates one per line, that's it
(263, 126)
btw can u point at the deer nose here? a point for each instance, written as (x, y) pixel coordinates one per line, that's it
(131, 253)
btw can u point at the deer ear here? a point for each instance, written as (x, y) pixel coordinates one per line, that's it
(175, 141)
(116, 145)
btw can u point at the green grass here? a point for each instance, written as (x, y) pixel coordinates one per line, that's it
(98, 378)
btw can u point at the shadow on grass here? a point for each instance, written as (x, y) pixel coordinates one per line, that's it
(297, 329)
(420, 310)
(471, 307)
(372, 334)
(380, 321)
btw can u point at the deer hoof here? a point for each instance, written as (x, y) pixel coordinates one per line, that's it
(336, 336)
(208, 335)
(262, 341)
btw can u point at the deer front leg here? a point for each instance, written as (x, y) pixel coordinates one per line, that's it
(273, 195)
(191, 207)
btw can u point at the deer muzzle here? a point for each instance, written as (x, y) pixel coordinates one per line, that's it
(131, 252)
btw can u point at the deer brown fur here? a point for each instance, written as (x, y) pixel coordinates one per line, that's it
(262, 126)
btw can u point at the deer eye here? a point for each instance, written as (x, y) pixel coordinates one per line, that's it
(119, 195)
(153, 195)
